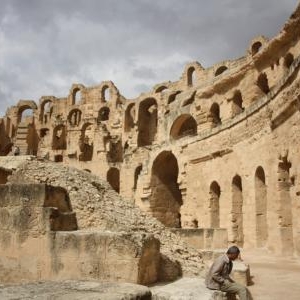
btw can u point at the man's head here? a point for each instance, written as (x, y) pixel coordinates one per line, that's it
(233, 252)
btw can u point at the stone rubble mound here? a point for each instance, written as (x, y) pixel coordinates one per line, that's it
(98, 206)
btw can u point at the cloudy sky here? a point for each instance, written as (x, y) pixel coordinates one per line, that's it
(46, 45)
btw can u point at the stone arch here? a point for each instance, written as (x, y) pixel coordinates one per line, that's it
(137, 173)
(255, 48)
(184, 125)
(172, 96)
(237, 211)
(263, 83)
(59, 139)
(214, 205)
(113, 178)
(166, 199)
(221, 70)
(103, 114)
(129, 117)
(105, 93)
(23, 106)
(86, 142)
(191, 76)
(160, 89)
(288, 60)
(214, 114)
(147, 122)
(74, 117)
(76, 95)
(237, 103)
(46, 111)
(261, 207)
(189, 100)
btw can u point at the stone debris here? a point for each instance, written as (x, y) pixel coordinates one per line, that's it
(98, 207)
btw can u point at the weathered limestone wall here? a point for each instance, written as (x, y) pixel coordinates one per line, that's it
(34, 247)
(227, 136)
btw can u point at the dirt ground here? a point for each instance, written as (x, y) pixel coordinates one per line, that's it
(274, 277)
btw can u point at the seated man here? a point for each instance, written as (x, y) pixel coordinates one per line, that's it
(218, 275)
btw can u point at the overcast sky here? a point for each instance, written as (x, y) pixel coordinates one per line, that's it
(46, 45)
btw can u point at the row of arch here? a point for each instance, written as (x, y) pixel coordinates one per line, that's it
(166, 198)
(105, 94)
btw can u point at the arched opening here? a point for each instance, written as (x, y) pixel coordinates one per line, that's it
(59, 140)
(191, 76)
(147, 122)
(263, 83)
(115, 151)
(103, 114)
(105, 93)
(214, 205)
(129, 117)
(261, 207)
(86, 142)
(183, 126)
(237, 104)
(161, 88)
(113, 178)
(137, 173)
(255, 48)
(25, 115)
(214, 115)
(189, 101)
(237, 211)
(46, 111)
(74, 117)
(76, 96)
(4, 175)
(220, 70)
(166, 197)
(172, 97)
(288, 60)
(58, 158)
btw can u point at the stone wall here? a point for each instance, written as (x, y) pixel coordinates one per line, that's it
(39, 241)
(229, 133)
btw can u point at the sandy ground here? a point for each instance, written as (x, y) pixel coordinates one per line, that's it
(274, 277)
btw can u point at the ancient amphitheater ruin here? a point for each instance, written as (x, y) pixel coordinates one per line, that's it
(210, 160)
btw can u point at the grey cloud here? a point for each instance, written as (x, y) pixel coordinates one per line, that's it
(144, 73)
(46, 45)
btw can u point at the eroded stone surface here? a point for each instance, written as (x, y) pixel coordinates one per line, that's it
(76, 290)
(187, 289)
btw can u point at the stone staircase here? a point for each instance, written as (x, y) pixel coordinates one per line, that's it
(21, 138)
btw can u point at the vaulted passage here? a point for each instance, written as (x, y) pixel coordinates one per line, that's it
(147, 122)
(183, 126)
(237, 211)
(261, 207)
(113, 178)
(214, 206)
(166, 198)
